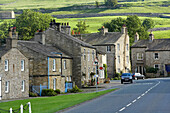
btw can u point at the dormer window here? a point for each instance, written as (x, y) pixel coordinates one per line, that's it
(108, 48)
(139, 56)
(156, 55)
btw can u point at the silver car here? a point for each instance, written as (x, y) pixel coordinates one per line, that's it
(126, 77)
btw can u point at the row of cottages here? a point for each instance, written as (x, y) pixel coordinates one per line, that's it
(50, 58)
(115, 45)
(151, 53)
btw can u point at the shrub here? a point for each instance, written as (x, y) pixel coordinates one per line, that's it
(74, 90)
(116, 78)
(48, 92)
(57, 91)
(31, 94)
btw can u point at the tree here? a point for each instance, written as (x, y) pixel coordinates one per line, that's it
(148, 23)
(111, 3)
(81, 27)
(29, 22)
(97, 4)
(115, 25)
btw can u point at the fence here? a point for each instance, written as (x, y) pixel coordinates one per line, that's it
(21, 109)
(38, 89)
(68, 86)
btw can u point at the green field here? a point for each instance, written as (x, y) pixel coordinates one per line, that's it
(96, 22)
(53, 104)
(67, 6)
(161, 34)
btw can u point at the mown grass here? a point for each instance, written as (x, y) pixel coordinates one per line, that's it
(53, 104)
(6, 1)
(161, 34)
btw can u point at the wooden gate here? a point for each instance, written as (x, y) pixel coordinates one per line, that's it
(0, 89)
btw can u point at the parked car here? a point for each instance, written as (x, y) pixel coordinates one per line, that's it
(137, 76)
(126, 77)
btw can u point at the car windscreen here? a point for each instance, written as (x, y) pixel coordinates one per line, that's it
(125, 74)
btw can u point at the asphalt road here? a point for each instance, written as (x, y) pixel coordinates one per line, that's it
(143, 96)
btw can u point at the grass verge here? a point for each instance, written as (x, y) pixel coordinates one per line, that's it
(53, 104)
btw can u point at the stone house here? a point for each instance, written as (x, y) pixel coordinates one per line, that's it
(116, 47)
(83, 54)
(14, 71)
(153, 53)
(7, 15)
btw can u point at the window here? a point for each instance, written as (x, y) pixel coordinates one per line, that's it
(93, 55)
(118, 70)
(67, 79)
(23, 85)
(127, 59)
(156, 55)
(156, 66)
(22, 65)
(139, 56)
(54, 65)
(70, 78)
(6, 65)
(108, 48)
(6, 86)
(65, 64)
(54, 83)
(118, 59)
(118, 46)
(127, 47)
(84, 54)
(88, 55)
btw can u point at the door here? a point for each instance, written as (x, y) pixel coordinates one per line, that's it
(0, 89)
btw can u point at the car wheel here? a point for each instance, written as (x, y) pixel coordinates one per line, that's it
(131, 81)
(121, 81)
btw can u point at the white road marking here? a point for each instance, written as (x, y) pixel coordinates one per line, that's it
(139, 97)
(122, 109)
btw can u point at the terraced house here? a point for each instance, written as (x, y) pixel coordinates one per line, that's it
(116, 47)
(151, 53)
(83, 54)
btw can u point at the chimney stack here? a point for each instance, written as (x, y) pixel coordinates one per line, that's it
(151, 36)
(123, 30)
(11, 41)
(136, 37)
(103, 30)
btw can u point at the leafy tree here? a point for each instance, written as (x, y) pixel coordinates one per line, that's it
(97, 4)
(111, 3)
(148, 23)
(29, 22)
(115, 25)
(81, 27)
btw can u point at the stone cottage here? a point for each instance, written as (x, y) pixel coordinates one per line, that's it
(151, 53)
(14, 71)
(116, 47)
(83, 54)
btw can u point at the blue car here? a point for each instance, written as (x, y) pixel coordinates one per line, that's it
(126, 77)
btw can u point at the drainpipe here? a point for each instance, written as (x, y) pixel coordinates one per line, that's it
(48, 75)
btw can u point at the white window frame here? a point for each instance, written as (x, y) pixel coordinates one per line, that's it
(54, 83)
(67, 79)
(108, 48)
(118, 70)
(127, 59)
(118, 46)
(155, 56)
(54, 65)
(7, 86)
(138, 56)
(157, 65)
(70, 78)
(127, 47)
(118, 59)
(65, 65)
(23, 85)
(88, 55)
(6, 65)
(84, 54)
(22, 65)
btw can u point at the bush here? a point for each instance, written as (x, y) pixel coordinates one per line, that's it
(57, 91)
(31, 94)
(48, 92)
(74, 90)
(116, 78)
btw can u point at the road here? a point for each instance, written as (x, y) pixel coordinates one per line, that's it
(143, 96)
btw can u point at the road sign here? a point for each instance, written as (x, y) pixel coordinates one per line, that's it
(95, 62)
(101, 68)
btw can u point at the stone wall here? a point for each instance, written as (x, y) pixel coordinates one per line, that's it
(14, 75)
(7, 15)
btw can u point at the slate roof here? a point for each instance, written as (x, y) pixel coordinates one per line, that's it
(82, 43)
(100, 39)
(3, 50)
(155, 45)
(43, 49)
